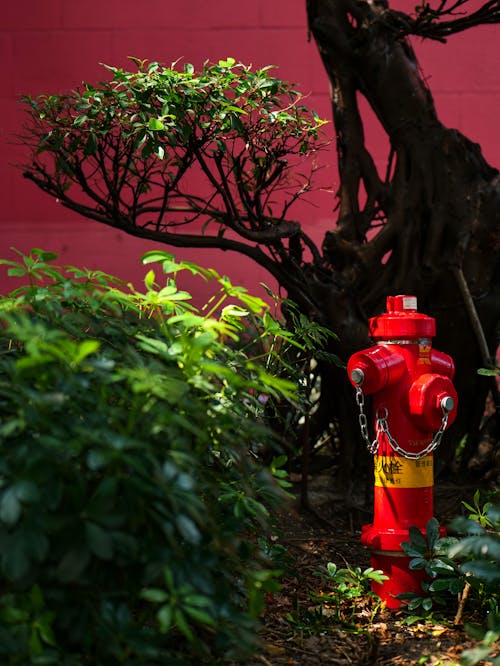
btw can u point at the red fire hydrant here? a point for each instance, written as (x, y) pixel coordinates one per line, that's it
(414, 401)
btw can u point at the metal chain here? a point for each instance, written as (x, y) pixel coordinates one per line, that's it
(363, 423)
(382, 426)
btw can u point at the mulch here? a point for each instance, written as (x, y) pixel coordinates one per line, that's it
(328, 532)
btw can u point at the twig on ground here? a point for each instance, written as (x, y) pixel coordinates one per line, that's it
(461, 604)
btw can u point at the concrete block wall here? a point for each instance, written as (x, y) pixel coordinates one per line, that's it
(53, 45)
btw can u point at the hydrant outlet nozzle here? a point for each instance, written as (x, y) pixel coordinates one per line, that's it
(358, 376)
(447, 404)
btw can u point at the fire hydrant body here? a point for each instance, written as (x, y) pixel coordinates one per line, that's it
(413, 401)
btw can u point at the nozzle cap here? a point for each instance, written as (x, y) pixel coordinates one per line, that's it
(447, 403)
(357, 376)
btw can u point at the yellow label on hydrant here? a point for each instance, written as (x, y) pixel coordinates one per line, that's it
(397, 472)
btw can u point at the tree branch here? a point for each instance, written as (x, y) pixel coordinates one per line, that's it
(428, 23)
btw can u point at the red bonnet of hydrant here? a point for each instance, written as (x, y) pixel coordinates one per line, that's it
(402, 321)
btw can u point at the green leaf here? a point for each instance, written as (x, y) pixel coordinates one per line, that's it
(182, 625)
(228, 63)
(474, 655)
(36, 598)
(188, 529)
(441, 584)
(16, 272)
(236, 123)
(331, 568)
(164, 617)
(432, 530)
(15, 560)
(149, 280)
(152, 345)
(84, 349)
(487, 372)
(427, 604)
(91, 145)
(35, 645)
(481, 546)
(97, 459)
(377, 575)
(43, 255)
(417, 563)
(442, 567)
(199, 615)
(489, 572)
(158, 256)
(99, 541)
(147, 150)
(10, 507)
(197, 600)
(411, 550)
(415, 603)
(156, 124)
(466, 526)
(11, 615)
(154, 595)
(46, 632)
(73, 564)
(457, 586)
(235, 109)
(418, 540)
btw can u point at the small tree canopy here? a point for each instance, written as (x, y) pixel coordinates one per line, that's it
(154, 150)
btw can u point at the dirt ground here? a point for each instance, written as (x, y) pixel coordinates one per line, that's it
(330, 533)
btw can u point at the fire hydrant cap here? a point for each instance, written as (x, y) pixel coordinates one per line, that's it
(402, 321)
(428, 396)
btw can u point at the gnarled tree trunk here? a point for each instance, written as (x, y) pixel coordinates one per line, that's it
(437, 202)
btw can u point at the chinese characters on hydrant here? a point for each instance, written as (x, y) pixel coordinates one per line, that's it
(414, 401)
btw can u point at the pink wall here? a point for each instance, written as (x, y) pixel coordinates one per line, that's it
(53, 45)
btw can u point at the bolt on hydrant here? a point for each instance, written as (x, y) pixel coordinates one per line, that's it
(414, 401)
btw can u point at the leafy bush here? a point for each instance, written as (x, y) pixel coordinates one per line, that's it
(349, 589)
(296, 354)
(478, 550)
(429, 552)
(454, 563)
(465, 567)
(345, 599)
(128, 488)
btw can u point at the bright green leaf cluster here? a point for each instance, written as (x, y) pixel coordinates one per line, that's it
(345, 588)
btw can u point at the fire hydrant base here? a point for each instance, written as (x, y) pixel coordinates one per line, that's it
(401, 578)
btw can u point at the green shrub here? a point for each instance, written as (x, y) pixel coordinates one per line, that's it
(478, 551)
(128, 487)
(463, 568)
